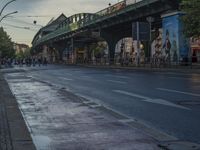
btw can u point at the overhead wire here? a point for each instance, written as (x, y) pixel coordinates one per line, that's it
(34, 16)
(14, 26)
(12, 19)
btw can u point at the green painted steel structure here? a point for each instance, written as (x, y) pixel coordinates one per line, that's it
(103, 18)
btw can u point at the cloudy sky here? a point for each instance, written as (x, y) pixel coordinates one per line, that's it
(20, 27)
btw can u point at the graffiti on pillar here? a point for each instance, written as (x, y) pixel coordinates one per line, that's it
(175, 45)
(156, 45)
(170, 38)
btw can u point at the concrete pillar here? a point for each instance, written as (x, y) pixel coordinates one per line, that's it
(111, 41)
(175, 45)
(112, 37)
(73, 51)
(60, 46)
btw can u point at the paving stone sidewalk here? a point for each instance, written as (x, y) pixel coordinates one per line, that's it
(14, 134)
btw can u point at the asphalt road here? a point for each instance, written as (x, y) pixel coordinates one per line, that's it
(167, 101)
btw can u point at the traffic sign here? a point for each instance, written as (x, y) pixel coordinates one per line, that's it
(141, 31)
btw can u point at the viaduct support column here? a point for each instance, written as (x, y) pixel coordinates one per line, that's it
(60, 46)
(112, 37)
(175, 44)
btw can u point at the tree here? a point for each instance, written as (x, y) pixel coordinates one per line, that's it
(20, 55)
(27, 52)
(23, 54)
(6, 45)
(99, 49)
(191, 19)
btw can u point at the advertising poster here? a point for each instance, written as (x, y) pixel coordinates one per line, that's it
(175, 45)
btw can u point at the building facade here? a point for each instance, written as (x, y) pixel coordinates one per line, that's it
(20, 48)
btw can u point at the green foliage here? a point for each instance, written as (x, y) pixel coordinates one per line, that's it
(192, 18)
(27, 52)
(99, 49)
(20, 55)
(6, 45)
(24, 54)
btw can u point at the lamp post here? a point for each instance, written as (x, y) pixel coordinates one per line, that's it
(8, 15)
(150, 20)
(6, 6)
(0, 59)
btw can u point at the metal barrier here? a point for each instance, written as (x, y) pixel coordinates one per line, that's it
(147, 62)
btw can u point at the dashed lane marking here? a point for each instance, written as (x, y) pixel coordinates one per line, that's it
(114, 81)
(151, 100)
(180, 92)
(118, 76)
(67, 79)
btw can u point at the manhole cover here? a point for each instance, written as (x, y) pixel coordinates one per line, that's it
(189, 102)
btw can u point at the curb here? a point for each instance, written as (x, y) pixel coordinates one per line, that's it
(20, 137)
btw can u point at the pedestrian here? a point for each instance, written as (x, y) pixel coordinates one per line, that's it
(33, 61)
(45, 61)
(39, 62)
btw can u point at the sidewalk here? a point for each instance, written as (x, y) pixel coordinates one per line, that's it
(14, 134)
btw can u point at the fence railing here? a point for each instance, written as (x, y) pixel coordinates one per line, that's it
(192, 62)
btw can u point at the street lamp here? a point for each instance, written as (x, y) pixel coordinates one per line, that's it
(6, 6)
(8, 15)
(150, 20)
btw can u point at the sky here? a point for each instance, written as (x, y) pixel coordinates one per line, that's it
(20, 26)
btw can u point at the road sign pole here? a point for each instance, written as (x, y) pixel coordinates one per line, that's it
(138, 45)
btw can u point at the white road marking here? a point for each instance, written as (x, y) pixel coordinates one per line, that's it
(118, 76)
(170, 73)
(126, 120)
(77, 71)
(67, 79)
(179, 78)
(150, 100)
(181, 92)
(114, 81)
(165, 102)
(68, 74)
(86, 76)
(131, 94)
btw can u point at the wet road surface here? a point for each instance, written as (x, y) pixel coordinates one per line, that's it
(167, 101)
